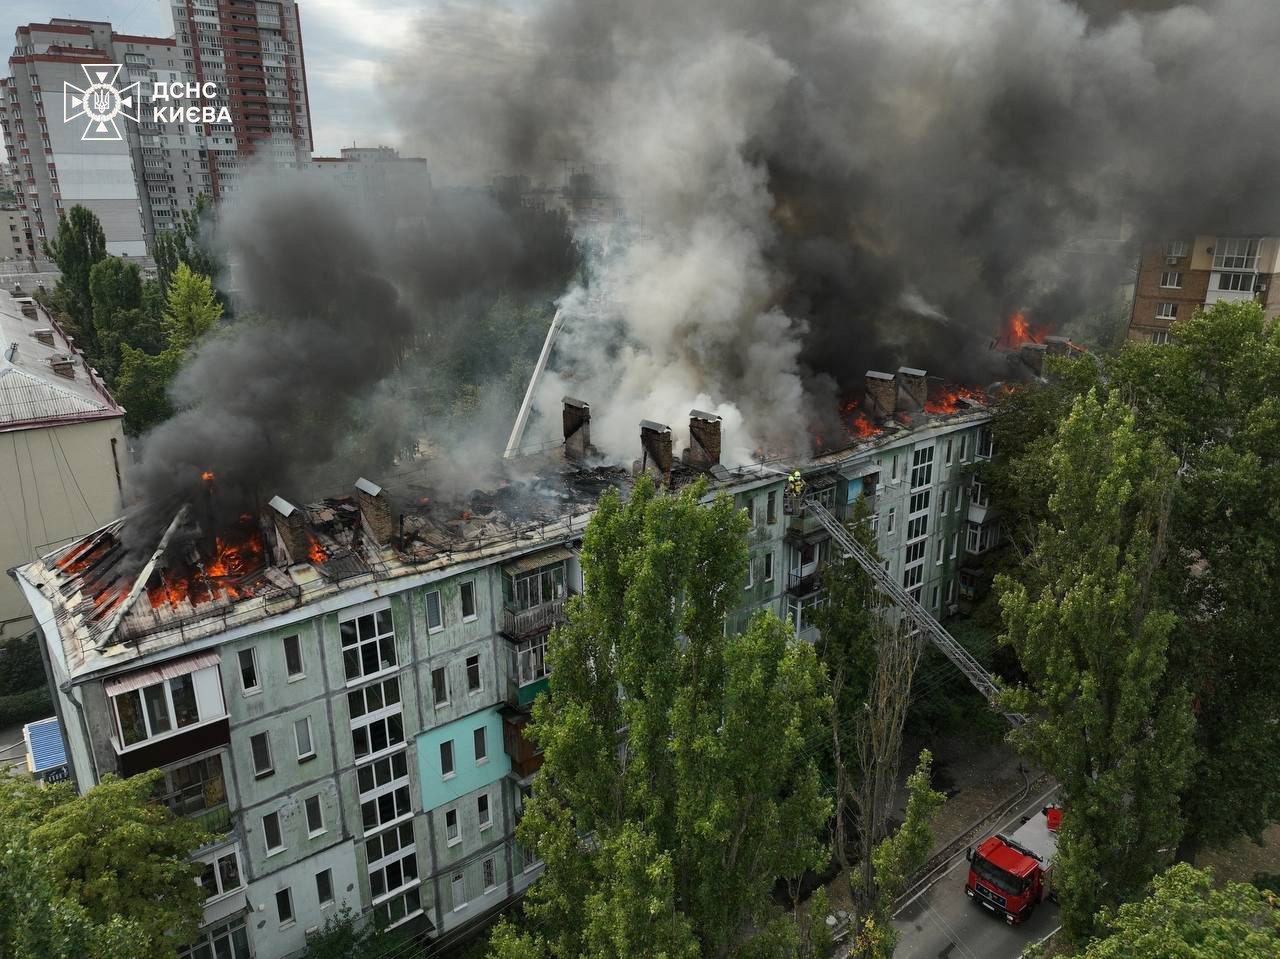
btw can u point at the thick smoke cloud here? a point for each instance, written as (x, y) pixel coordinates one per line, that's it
(332, 295)
(817, 187)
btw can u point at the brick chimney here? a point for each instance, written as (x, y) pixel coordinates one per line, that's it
(291, 529)
(577, 429)
(913, 389)
(882, 394)
(1032, 354)
(655, 450)
(704, 440)
(375, 511)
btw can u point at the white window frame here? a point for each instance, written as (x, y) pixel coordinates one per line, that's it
(1237, 282)
(890, 520)
(447, 745)
(531, 659)
(386, 781)
(480, 736)
(1170, 280)
(302, 662)
(941, 549)
(946, 499)
(172, 713)
(475, 606)
(1166, 310)
(768, 567)
(457, 827)
(253, 664)
(489, 874)
(313, 802)
(389, 716)
(751, 572)
(273, 850)
(1178, 248)
(358, 643)
(426, 607)
(443, 671)
(325, 903)
(922, 468)
(1236, 253)
(287, 892)
(955, 543)
(487, 820)
(253, 758)
(310, 753)
(479, 686)
(1159, 337)
(214, 860)
(458, 890)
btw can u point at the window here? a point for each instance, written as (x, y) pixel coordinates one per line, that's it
(942, 545)
(979, 495)
(468, 601)
(473, 674)
(260, 746)
(802, 610)
(248, 672)
(985, 448)
(446, 758)
(1238, 282)
(947, 455)
(292, 656)
(368, 644)
(933, 598)
(1166, 311)
(917, 527)
(751, 573)
(284, 906)
(490, 874)
(771, 507)
(271, 835)
(1171, 280)
(922, 468)
(1160, 337)
(893, 472)
(220, 875)
(458, 892)
(919, 503)
(193, 786)
(750, 509)
(768, 567)
(302, 736)
(946, 494)
(1178, 248)
(376, 721)
(160, 708)
(451, 834)
(439, 687)
(888, 526)
(315, 816)
(384, 791)
(227, 941)
(951, 590)
(955, 541)
(482, 811)
(1236, 253)
(531, 659)
(481, 746)
(914, 553)
(324, 887)
(964, 448)
(545, 585)
(912, 576)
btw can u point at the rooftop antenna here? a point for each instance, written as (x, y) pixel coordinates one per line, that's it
(522, 418)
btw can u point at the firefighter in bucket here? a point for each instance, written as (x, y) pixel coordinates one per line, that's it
(795, 493)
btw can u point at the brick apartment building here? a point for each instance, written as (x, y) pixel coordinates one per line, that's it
(1177, 277)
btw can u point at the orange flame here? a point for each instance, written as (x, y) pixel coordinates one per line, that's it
(207, 476)
(948, 399)
(1018, 331)
(316, 552)
(858, 424)
(230, 561)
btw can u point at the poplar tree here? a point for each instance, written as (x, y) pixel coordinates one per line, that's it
(1110, 722)
(678, 783)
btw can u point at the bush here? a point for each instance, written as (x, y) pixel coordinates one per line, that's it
(19, 708)
(21, 668)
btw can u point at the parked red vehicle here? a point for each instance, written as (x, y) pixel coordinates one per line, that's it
(1010, 875)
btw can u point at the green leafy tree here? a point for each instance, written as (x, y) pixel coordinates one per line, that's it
(79, 245)
(191, 308)
(1111, 722)
(112, 859)
(346, 935)
(711, 794)
(142, 387)
(895, 859)
(1213, 395)
(1186, 917)
(184, 245)
(119, 314)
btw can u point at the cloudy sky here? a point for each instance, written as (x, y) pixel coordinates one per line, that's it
(346, 42)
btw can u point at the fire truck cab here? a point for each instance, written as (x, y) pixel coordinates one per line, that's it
(1009, 875)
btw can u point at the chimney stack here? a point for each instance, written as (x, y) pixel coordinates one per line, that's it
(913, 389)
(577, 429)
(1032, 354)
(704, 440)
(655, 450)
(291, 529)
(882, 394)
(375, 511)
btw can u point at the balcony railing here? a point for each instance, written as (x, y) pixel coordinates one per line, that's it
(804, 583)
(529, 622)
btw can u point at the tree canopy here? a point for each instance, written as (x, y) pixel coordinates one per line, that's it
(79, 245)
(711, 793)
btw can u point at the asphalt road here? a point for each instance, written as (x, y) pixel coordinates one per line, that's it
(943, 923)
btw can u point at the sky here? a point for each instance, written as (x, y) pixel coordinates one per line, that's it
(346, 43)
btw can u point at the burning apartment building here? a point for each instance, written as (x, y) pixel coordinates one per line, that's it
(339, 689)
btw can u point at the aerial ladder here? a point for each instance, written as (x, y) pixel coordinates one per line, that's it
(917, 615)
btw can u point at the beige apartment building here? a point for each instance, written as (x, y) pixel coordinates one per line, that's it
(61, 448)
(1177, 277)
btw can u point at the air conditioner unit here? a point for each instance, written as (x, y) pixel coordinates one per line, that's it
(1171, 261)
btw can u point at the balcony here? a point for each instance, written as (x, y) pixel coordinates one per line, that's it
(526, 758)
(522, 624)
(801, 583)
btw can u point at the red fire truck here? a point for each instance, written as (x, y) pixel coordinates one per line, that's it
(1009, 875)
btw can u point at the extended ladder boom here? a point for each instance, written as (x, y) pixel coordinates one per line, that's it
(982, 681)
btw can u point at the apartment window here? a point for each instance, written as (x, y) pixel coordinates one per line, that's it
(914, 553)
(220, 875)
(324, 887)
(458, 891)
(531, 659)
(918, 503)
(912, 577)
(917, 527)
(248, 672)
(473, 674)
(315, 816)
(768, 567)
(468, 601)
(1237, 282)
(368, 644)
(893, 471)
(1160, 337)
(272, 838)
(451, 833)
(933, 598)
(533, 589)
(481, 745)
(942, 545)
(751, 573)
(1171, 280)
(771, 507)
(226, 941)
(302, 737)
(1178, 248)
(482, 811)
(157, 709)
(946, 494)
(922, 467)
(964, 448)
(284, 906)
(439, 687)
(1236, 253)
(260, 746)
(490, 875)
(985, 448)
(435, 614)
(384, 791)
(979, 495)
(971, 537)
(293, 656)
(955, 542)
(947, 455)
(446, 758)
(1166, 311)
(377, 723)
(803, 610)
(893, 514)
(194, 786)
(951, 590)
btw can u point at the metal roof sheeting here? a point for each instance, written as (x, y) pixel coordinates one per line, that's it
(25, 398)
(44, 744)
(532, 561)
(145, 677)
